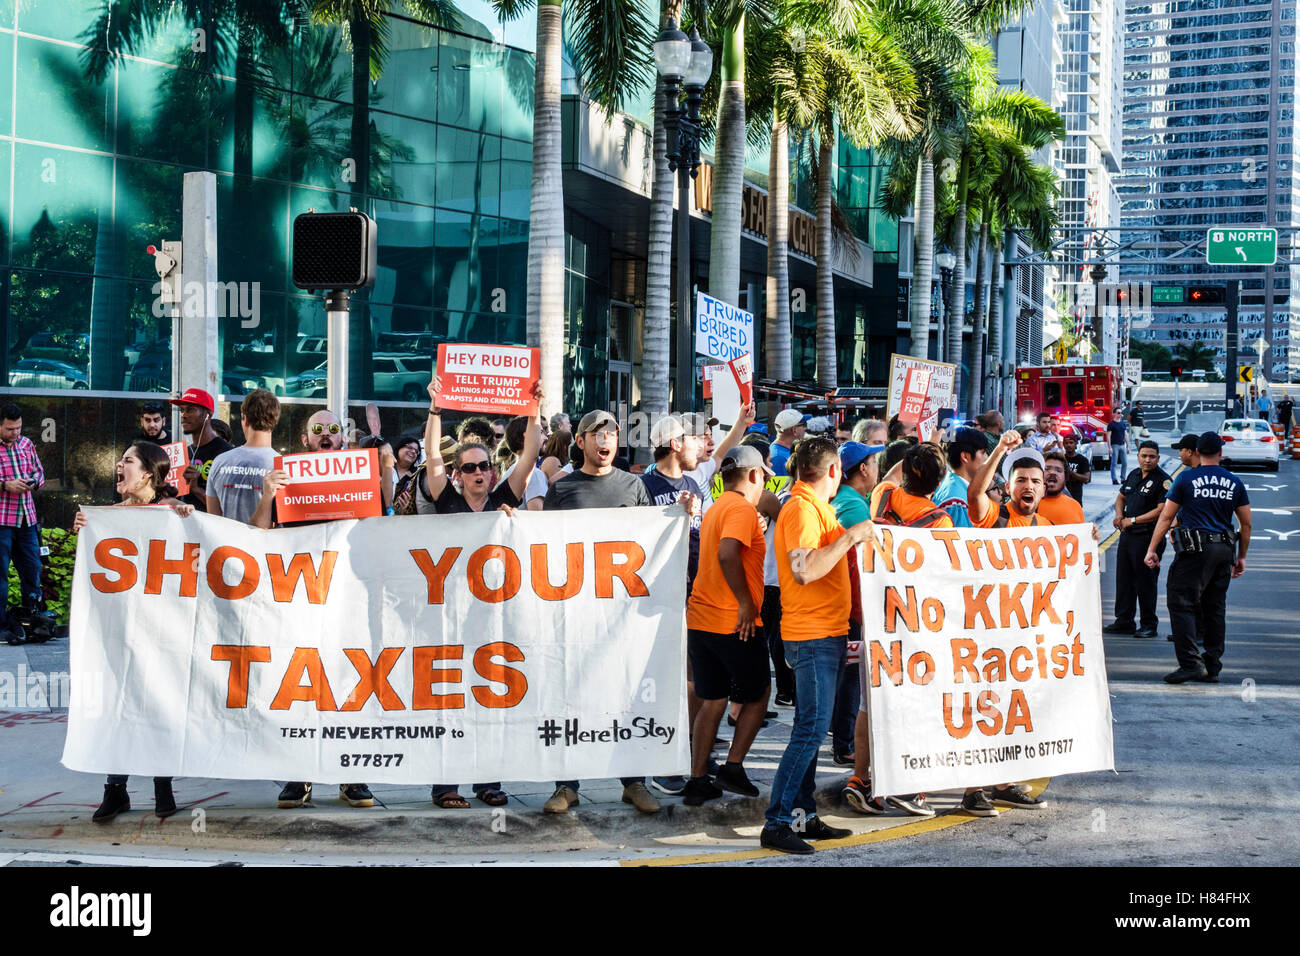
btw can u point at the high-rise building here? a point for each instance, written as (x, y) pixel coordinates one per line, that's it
(1209, 129)
(1088, 80)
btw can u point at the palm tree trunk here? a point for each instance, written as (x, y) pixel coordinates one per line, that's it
(957, 295)
(545, 307)
(777, 335)
(995, 319)
(827, 374)
(658, 276)
(976, 387)
(360, 352)
(923, 256)
(729, 171)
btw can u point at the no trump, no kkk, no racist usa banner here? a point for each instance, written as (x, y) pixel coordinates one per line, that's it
(983, 656)
(393, 650)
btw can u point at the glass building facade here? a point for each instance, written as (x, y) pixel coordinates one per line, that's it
(1209, 139)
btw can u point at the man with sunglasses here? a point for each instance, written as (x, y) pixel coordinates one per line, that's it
(323, 433)
(153, 424)
(197, 408)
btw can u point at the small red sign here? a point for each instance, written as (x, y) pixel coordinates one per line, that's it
(915, 389)
(496, 379)
(742, 369)
(329, 485)
(179, 454)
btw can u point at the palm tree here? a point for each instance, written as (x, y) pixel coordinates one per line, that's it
(1196, 355)
(611, 45)
(862, 87)
(1009, 116)
(729, 155)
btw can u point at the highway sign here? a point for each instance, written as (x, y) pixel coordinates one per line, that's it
(1245, 373)
(1240, 246)
(1166, 295)
(1132, 373)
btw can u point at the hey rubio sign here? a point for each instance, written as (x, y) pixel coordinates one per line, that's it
(497, 379)
(329, 485)
(722, 331)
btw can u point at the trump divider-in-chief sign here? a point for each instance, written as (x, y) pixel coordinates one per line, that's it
(722, 331)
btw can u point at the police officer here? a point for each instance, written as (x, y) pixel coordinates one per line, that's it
(1204, 499)
(1137, 507)
(1186, 449)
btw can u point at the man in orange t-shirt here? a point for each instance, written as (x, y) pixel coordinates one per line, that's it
(812, 566)
(1025, 486)
(727, 659)
(1057, 506)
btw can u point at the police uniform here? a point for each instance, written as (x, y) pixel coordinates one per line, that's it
(1135, 583)
(1207, 497)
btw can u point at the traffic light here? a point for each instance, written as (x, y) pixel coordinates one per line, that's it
(334, 250)
(1175, 372)
(1207, 295)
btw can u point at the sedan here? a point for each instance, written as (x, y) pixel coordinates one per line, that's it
(1249, 441)
(46, 373)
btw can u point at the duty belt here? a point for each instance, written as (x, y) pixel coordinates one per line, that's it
(1216, 537)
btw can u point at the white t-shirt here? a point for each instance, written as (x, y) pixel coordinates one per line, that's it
(703, 476)
(537, 484)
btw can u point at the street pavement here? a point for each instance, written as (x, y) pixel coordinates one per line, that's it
(1205, 774)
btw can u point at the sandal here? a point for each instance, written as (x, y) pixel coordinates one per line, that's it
(493, 798)
(451, 800)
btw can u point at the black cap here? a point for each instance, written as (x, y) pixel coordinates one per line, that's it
(970, 439)
(1187, 443)
(1209, 443)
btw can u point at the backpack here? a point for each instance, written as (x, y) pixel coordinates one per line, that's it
(888, 515)
(1004, 517)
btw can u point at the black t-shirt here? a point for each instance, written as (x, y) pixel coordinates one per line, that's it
(452, 502)
(1078, 463)
(1284, 408)
(162, 438)
(201, 458)
(1141, 494)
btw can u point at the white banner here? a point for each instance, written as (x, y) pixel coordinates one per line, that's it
(984, 657)
(435, 649)
(938, 389)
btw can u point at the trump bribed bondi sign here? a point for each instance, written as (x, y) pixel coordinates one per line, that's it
(410, 650)
(722, 331)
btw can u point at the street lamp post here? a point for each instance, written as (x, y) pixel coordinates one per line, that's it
(946, 262)
(685, 63)
(1098, 275)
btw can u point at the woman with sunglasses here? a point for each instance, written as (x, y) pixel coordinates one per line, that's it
(436, 494)
(141, 480)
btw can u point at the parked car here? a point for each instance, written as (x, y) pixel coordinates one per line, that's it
(241, 381)
(46, 373)
(309, 383)
(1249, 441)
(402, 376)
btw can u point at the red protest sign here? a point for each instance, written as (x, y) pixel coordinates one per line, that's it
(742, 369)
(329, 485)
(915, 390)
(179, 455)
(708, 372)
(497, 379)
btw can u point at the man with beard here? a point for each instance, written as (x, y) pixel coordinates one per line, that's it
(323, 433)
(1137, 508)
(1025, 486)
(1056, 506)
(676, 452)
(153, 424)
(197, 409)
(1078, 470)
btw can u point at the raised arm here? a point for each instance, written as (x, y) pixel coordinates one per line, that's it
(977, 499)
(532, 446)
(435, 472)
(748, 415)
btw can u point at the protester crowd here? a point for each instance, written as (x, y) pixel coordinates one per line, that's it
(772, 616)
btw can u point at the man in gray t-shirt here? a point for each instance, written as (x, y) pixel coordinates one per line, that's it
(235, 479)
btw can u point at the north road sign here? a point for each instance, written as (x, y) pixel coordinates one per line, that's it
(1240, 246)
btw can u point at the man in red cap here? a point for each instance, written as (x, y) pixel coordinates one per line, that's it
(197, 408)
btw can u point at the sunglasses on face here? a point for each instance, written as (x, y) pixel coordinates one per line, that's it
(319, 429)
(469, 467)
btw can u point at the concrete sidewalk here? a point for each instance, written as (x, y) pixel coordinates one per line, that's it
(41, 802)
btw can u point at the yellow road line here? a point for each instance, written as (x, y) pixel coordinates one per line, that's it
(1108, 542)
(943, 822)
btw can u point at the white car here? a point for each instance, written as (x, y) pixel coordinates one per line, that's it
(1249, 441)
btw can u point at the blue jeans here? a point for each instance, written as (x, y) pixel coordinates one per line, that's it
(24, 547)
(1118, 460)
(817, 665)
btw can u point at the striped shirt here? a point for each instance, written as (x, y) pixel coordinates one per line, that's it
(19, 460)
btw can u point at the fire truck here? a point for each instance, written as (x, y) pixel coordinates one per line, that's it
(1083, 395)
